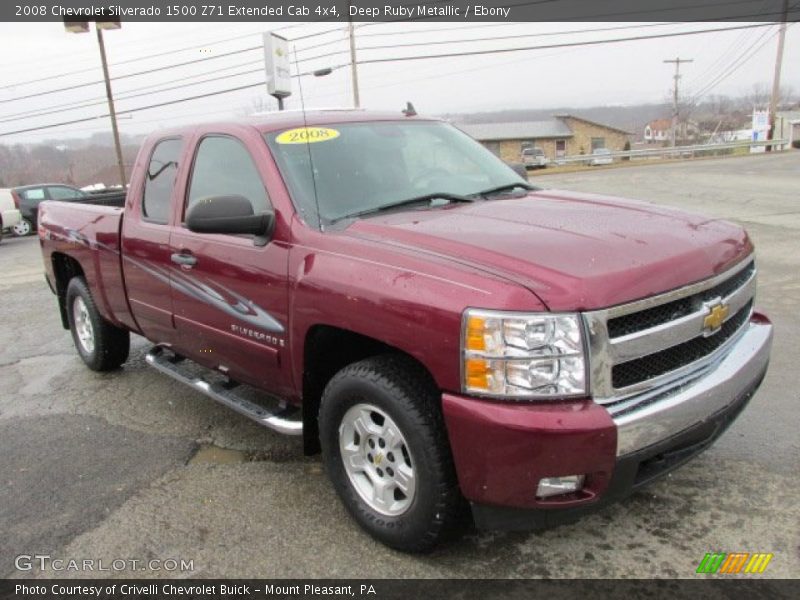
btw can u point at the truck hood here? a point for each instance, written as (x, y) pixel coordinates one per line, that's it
(575, 251)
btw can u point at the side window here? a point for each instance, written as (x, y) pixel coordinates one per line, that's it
(224, 167)
(33, 194)
(598, 142)
(160, 180)
(59, 192)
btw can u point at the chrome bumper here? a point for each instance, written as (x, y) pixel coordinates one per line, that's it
(693, 401)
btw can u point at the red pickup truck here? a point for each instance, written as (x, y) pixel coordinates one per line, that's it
(448, 336)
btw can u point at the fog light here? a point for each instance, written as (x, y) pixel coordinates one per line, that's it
(554, 486)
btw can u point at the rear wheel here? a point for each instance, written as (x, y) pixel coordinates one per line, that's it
(24, 227)
(386, 452)
(101, 345)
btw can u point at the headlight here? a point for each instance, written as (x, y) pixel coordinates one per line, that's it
(519, 355)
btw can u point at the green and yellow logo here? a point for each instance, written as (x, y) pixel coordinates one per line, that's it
(735, 562)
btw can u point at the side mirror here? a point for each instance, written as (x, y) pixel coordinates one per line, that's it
(230, 214)
(519, 169)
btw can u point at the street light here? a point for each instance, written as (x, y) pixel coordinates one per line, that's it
(83, 27)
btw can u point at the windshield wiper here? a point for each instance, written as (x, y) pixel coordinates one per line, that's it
(408, 202)
(505, 188)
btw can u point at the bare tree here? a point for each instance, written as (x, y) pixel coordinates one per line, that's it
(759, 97)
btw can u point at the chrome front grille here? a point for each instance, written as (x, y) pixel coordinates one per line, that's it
(669, 311)
(640, 350)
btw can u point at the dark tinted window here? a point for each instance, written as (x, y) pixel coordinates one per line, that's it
(224, 167)
(160, 180)
(61, 192)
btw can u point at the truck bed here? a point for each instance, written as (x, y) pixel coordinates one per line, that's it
(86, 235)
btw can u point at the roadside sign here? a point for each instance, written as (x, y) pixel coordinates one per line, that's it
(276, 61)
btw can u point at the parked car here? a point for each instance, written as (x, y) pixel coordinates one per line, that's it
(534, 158)
(448, 335)
(9, 211)
(30, 196)
(601, 156)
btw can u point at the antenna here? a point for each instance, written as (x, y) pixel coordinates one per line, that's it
(308, 143)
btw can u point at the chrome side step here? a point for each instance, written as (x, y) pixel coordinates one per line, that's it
(284, 419)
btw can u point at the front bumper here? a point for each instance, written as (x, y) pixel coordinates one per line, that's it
(501, 451)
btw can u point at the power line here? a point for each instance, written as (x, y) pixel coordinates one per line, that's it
(728, 67)
(465, 41)
(724, 55)
(315, 34)
(549, 46)
(119, 97)
(415, 58)
(156, 55)
(86, 103)
(743, 59)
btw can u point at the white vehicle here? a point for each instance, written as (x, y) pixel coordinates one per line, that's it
(601, 156)
(9, 211)
(534, 158)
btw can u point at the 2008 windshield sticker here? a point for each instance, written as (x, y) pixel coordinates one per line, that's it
(307, 135)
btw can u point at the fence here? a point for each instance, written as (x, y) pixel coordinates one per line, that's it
(662, 152)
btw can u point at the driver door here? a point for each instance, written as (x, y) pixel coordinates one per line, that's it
(229, 294)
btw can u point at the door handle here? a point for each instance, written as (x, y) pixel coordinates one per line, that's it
(185, 260)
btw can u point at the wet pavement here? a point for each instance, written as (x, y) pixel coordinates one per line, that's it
(132, 465)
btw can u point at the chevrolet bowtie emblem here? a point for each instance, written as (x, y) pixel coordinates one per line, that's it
(716, 316)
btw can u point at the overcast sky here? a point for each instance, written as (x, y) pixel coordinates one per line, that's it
(618, 74)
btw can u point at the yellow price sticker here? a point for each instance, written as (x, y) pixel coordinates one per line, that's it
(307, 135)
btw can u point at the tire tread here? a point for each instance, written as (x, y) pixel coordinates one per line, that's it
(411, 385)
(112, 344)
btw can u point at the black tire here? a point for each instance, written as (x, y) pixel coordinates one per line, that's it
(111, 344)
(405, 392)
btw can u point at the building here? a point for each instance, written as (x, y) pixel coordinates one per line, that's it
(787, 127)
(657, 131)
(559, 136)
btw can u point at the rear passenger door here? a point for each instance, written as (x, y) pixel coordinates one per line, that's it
(29, 201)
(147, 224)
(229, 294)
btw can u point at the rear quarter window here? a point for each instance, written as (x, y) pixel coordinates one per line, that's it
(160, 180)
(33, 194)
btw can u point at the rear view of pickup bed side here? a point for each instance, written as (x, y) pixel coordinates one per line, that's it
(447, 335)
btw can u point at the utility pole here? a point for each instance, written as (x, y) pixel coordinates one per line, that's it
(111, 111)
(776, 80)
(353, 62)
(677, 61)
(73, 26)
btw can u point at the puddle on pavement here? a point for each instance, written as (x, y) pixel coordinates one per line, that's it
(217, 456)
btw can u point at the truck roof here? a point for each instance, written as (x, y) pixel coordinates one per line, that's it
(272, 121)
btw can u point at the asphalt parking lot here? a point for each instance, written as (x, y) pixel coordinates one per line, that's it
(130, 465)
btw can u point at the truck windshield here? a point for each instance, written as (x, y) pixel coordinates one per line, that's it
(358, 168)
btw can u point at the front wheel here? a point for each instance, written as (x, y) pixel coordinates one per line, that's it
(386, 451)
(23, 228)
(101, 345)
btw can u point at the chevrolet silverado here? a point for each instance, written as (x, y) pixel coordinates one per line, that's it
(455, 341)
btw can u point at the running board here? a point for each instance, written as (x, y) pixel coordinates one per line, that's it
(284, 419)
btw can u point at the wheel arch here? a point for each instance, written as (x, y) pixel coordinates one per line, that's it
(65, 268)
(327, 350)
